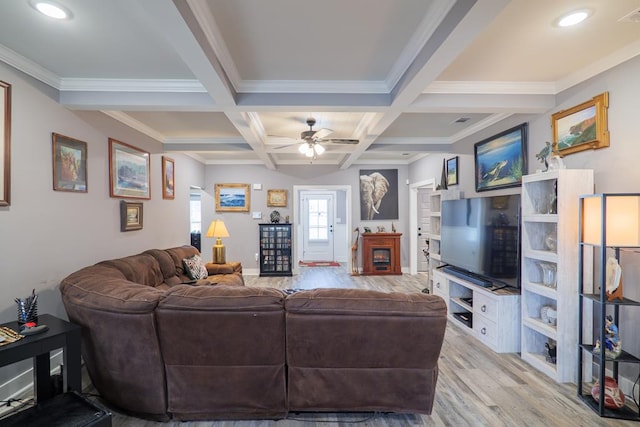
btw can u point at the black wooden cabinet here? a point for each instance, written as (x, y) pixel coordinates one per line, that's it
(275, 250)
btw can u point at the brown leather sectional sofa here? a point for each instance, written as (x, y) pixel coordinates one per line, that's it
(163, 350)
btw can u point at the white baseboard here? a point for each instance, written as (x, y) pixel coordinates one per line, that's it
(21, 385)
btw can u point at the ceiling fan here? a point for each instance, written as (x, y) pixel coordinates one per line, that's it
(310, 140)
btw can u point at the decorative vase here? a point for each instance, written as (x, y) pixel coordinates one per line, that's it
(551, 241)
(613, 396)
(555, 163)
(548, 274)
(275, 217)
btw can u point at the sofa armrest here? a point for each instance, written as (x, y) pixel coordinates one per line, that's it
(228, 268)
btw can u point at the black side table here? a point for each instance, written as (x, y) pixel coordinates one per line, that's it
(61, 334)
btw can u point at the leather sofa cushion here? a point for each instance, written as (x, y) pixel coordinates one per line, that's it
(112, 292)
(142, 268)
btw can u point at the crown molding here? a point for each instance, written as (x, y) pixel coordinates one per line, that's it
(208, 141)
(29, 67)
(477, 127)
(134, 124)
(132, 85)
(415, 140)
(615, 58)
(491, 88)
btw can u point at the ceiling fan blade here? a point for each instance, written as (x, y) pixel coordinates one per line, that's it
(321, 133)
(340, 140)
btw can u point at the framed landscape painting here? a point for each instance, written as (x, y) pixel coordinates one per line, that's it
(5, 140)
(129, 171)
(277, 198)
(582, 127)
(232, 197)
(130, 216)
(452, 171)
(501, 160)
(69, 164)
(168, 178)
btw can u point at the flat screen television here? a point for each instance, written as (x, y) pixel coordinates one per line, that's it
(481, 236)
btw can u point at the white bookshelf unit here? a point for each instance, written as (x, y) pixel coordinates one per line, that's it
(492, 317)
(435, 201)
(550, 244)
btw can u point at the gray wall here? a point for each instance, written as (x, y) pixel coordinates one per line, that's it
(46, 234)
(243, 241)
(615, 168)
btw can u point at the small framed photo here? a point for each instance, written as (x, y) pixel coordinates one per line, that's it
(277, 198)
(130, 216)
(582, 127)
(232, 197)
(168, 178)
(452, 171)
(69, 164)
(129, 171)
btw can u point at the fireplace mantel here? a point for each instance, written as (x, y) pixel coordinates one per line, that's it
(381, 253)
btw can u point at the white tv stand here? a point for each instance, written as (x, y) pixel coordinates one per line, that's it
(493, 317)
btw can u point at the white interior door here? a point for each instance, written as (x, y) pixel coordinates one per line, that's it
(317, 226)
(424, 216)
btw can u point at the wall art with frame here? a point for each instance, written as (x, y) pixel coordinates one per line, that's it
(501, 160)
(69, 164)
(582, 127)
(168, 178)
(131, 216)
(5, 143)
(277, 198)
(129, 171)
(378, 194)
(452, 171)
(232, 197)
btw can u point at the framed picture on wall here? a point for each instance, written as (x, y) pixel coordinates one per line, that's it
(452, 171)
(69, 164)
(501, 160)
(129, 171)
(378, 194)
(232, 197)
(168, 178)
(5, 143)
(130, 216)
(582, 127)
(277, 198)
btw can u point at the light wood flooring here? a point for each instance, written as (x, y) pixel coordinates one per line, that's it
(476, 387)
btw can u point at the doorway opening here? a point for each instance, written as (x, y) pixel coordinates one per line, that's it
(195, 217)
(419, 222)
(321, 223)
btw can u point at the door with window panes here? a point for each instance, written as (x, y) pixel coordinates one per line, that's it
(318, 215)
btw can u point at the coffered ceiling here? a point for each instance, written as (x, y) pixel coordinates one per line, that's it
(233, 81)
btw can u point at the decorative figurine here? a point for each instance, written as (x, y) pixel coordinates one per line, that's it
(614, 280)
(381, 229)
(551, 352)
(612, 343)
(354, 253)
(393, 227)
(275, 217)
(367, 230)
(544, 154)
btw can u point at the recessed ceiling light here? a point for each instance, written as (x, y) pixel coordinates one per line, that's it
(51, 9)
(573, 18)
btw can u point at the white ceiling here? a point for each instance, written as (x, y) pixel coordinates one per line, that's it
(233, 81)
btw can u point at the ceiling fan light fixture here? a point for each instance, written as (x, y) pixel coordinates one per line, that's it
(573, 18)
(304, 148)
(318, 148)
(310, 153)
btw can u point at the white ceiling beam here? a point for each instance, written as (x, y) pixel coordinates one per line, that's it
(251, 129)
